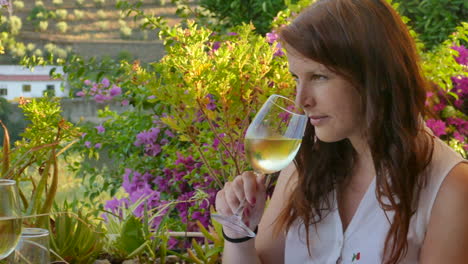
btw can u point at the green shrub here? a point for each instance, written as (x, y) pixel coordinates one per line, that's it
(99, 3)
(76, 236)
(57, 2)
(103, 25)
(62, 26)
(14, 126)
(40, 13)
(30, 47)
(78, 14)
(101, 14)
(43, 25)
(79, 3)
(125, 32)
(61, 14)
(434, 20)
(18, 4)
(236, 12)
(38, 53)
(15, 25)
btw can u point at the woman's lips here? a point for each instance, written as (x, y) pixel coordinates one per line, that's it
(318, 120)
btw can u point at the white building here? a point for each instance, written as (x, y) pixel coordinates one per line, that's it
(18, 81)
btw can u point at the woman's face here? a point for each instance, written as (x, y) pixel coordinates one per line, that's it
(332, 103)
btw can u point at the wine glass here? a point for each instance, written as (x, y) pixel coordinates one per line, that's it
(10, 217)
(271, 143)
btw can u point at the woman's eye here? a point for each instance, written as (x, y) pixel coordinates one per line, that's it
(319, 77)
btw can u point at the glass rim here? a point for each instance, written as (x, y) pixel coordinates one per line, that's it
(31, 232)
(287, 99)
(7, 182)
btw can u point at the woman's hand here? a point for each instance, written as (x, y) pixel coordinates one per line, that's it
(246, 186)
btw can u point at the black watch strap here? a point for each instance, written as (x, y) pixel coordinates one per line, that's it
(239, 240)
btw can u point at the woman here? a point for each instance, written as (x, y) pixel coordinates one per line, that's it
(370, 183)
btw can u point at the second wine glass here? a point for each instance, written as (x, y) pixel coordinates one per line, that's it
(10, 217)
(271, 142)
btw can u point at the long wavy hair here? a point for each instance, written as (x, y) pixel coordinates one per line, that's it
(366, 42)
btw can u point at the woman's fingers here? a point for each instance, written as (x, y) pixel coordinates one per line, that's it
(247, 188)
(231, 198)
(250, 187)
(221, 204)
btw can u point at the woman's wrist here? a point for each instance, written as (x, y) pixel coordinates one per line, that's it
(234, 237)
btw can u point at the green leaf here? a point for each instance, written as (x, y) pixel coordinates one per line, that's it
(131, 235)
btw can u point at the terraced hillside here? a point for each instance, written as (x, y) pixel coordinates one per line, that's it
(90, 27)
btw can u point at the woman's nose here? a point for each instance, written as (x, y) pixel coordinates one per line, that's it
(303, 99)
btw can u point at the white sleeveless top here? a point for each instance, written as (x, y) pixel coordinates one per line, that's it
(363, 241)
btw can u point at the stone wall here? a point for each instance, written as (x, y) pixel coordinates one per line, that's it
(84, 110)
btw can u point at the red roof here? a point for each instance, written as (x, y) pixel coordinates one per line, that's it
(26, 78)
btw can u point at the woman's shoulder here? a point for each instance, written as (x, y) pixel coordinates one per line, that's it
(448, 220)
(444, 165)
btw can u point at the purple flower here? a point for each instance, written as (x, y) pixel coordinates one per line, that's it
(161, 183)
(99, 98)
(80, 93)
(439, 107)
(115, 204)
(215, 144)
(87, 82)
(105, 82)
(458, 103)
(232, 34)
(458, 136)
(271, 37)
(147, 137)
(437, 126)
(172, 243)
(153, 150)
(169, 133)
(98, 145)
(151, 97)
(115, 90)
(462, 57)
(87, 144)
(100, 129)
(216, 46)
(278, 50)
(125, 102)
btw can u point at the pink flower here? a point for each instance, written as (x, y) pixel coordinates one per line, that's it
(437, 126)
(278, 50)
(100, 129)
(87, 82)
(105, 82)
(125, 102)
(216, 46)
(80, 93)
(462, 57)
(439, 107)
(458, 103)
(115, 90)
(271, 37)
(458, 136)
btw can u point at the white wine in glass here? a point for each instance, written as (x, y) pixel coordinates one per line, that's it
(10, 217)
(271, 143)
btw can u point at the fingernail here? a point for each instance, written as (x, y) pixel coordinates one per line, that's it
(254, 200)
